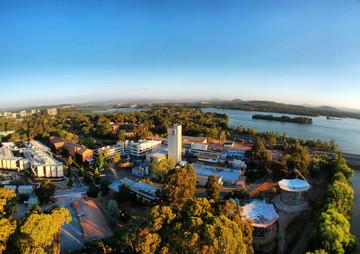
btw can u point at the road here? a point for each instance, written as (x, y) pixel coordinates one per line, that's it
(71, 234)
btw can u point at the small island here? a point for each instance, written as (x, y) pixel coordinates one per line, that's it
(300, 120)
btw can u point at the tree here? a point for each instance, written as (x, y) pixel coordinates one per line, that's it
(45, 192)
(41, 229)
(15, 137)
(179, 185)
(112, 212)
(7, 223)
(121, 135)
(341, 197)
(93, 190)
(222, 137)
(117, 158)
(213, 188)
(104, 187)
(334, 231)
(69, 161)
(259, 154)
(161, 168)
(196, 228)
(8, 227)
(70, 183)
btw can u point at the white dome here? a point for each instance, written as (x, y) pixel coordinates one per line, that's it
(294, 185)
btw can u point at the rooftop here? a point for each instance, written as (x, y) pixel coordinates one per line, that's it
(225, 174)
(294, 185)
(260, 214)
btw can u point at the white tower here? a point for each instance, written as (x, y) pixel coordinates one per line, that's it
(175, 143)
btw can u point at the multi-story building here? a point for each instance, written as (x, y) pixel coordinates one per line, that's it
(110, 151)
(51, 111)
(41, 161)
(77, 151)
(9, 161)
(175, 143)
(140, 148)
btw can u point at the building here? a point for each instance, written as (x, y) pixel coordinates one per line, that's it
(110, 151)
(41, 161)
(25, 189)
(143, 190)
(23, 113)
(291, 203)
(139, 149)
(51, 111)
(9, 161)
(225, 176)
(175, 143)
(156, 156)
(263, 218)
(77, 151)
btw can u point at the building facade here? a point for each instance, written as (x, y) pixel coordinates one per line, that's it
(142, 147)
(175, 143)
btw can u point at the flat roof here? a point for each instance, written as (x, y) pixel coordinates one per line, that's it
(260, 214)
(224, 174)
(294, 185)
(138, 186)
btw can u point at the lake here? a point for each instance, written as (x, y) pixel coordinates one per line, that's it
(345, 131)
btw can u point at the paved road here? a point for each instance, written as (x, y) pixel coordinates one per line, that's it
(71, 234)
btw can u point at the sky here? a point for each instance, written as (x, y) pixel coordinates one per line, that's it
(299, 51)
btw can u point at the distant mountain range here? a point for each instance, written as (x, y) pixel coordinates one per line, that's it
(251, 105)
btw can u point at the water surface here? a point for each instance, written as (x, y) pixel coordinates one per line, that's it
(345, 131)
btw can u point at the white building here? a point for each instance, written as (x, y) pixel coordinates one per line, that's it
(119, 147)
(9, 161)
(226, 176)
(23, 113)
(51, 111)
(142, 147)
(41, 161)
(175, 143)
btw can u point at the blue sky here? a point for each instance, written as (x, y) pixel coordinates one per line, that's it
(302, 52)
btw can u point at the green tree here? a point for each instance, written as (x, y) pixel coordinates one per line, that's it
(213, 188)
(334, 231)
(7, 223)
(179, 185)
(341, 197)
(259, 154)
(45, 192)
(41, 229)
(161, 168)
(117, 158)
(121, 135)
(112, 212)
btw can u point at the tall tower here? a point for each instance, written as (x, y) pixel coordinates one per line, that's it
(175, 143)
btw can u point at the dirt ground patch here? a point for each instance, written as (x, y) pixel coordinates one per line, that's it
(93, 221)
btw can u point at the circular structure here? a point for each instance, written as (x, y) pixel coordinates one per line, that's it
(294, 185)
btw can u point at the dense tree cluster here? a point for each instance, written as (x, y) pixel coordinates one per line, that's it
(333, 222)
(300, 120)
(35, 233)
(180, 223)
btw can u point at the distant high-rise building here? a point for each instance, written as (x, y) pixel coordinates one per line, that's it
(51, 111)
(175, 143)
